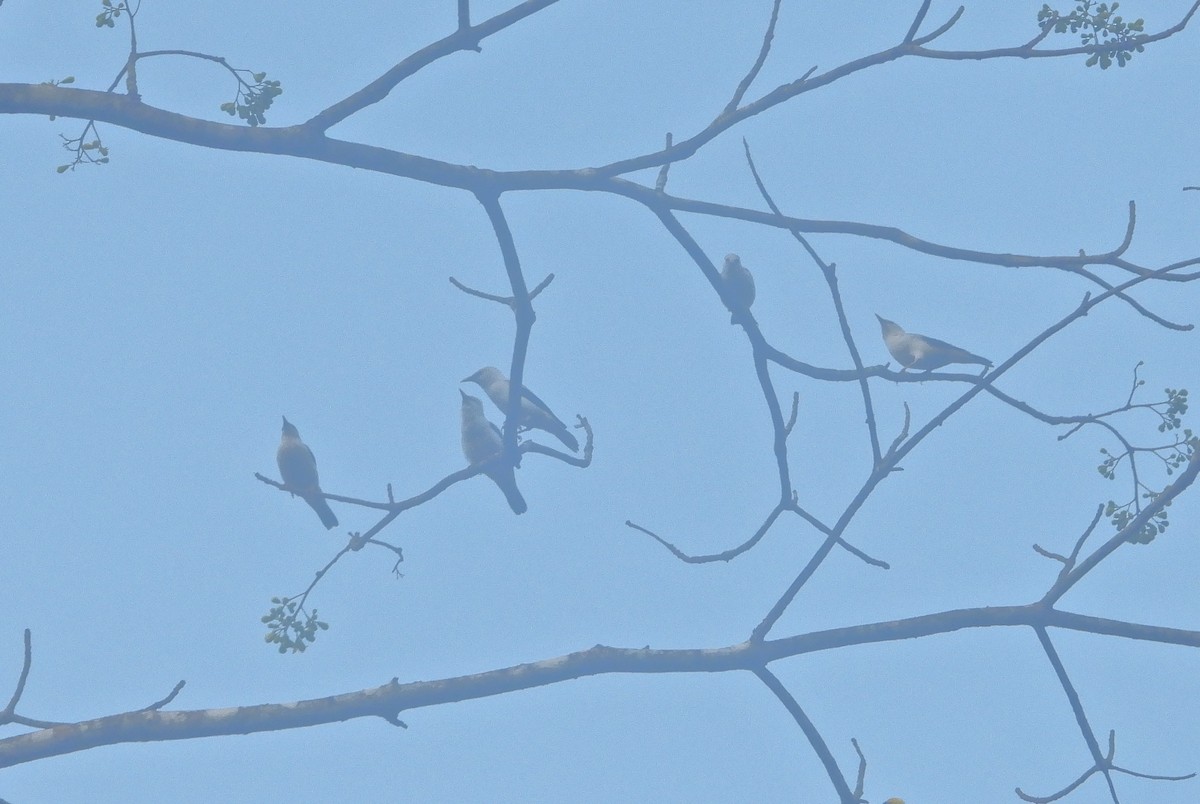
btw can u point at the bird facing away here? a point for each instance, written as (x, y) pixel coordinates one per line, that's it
(739, 286)
(913, 351)
(298, 468)
(534, 412)
(481, 440)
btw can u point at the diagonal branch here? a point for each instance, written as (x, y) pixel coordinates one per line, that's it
(688, 147)
(1134, 526)
(899, 450)
(740, 92)
(467, 37)
(810, 731)
(1081, 719)
(830, 274)
(917, 20)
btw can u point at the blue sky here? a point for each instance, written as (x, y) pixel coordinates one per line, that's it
(162, 312)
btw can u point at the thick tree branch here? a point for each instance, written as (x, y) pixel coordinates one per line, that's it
(305, 143)
(391, 699)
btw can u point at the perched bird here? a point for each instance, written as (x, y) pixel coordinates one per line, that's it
(298, 468)
(481, 440)
(534, 412)
(915, 351)
(739, 286)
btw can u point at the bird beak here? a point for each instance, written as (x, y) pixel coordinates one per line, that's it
(285, 421)
(462, 393)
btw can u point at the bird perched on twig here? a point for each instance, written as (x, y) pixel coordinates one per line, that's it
(481, 440)
(534, 412)
(298, 468)
(913, 351)
(739, 286)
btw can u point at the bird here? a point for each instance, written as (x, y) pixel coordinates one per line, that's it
(739, 286)
(298, 468)
(915, 351)
(481, 441)
(534, 412)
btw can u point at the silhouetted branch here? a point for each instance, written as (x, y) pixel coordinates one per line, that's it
(159, 704)
(389, 700)
(466, 37)
(740, 92)
(810, 732)
(1066, 581)
(916, 23)
(507, 301)
(660, 183)
(829, 272)
(9, 711)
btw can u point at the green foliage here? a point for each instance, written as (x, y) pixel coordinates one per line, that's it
(1098, 25)
(1120, 516)
(291, 626)
(1172, 456)
(1176, 407)
(253, 100)
(111, 12)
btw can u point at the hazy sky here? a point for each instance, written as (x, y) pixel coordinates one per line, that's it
(160, 313)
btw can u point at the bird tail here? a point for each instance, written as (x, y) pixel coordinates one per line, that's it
(323, 510)
(982, 361)
(508, 484)
(564, 435)
(956, 354)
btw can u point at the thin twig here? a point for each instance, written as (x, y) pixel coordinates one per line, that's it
(11, 709)
(829, 272)
(740, 92)
(159, 704)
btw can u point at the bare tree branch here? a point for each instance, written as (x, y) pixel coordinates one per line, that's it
(466, 37)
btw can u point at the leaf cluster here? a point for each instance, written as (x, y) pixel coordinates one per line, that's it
(1120, 516)
(291, 626)
(107, 17)
(253, 100)
(1173, 456)
(1097, 24)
